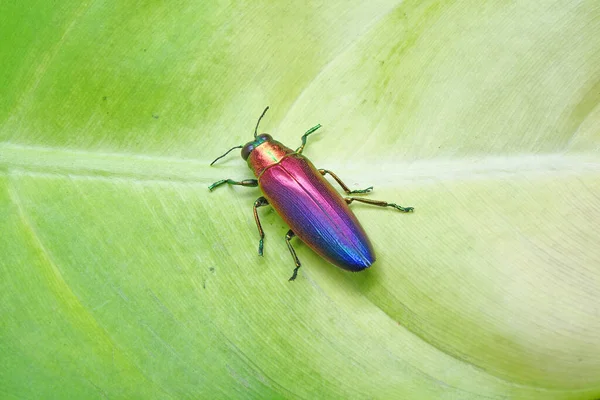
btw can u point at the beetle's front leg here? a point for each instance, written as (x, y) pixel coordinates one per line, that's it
(343, 185)
(260, 202)
(245, 182)
(379, 203)
(289, 237)
(308, 132)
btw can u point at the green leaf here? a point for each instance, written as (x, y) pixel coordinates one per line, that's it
(122, 276)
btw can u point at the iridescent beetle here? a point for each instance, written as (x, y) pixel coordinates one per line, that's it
(306, 201)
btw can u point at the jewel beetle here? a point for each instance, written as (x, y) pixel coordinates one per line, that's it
(315, 212)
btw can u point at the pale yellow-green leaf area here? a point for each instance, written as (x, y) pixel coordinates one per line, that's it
(122, 276)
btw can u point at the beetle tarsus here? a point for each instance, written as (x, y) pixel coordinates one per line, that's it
(216, 184)
(362, 191)
(294, 275)
(402, 209)
(260, 247)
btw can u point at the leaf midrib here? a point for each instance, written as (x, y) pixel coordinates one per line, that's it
(39, 160)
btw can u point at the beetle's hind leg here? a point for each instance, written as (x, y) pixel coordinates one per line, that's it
(288, 237)
(308, 132)
(379, 203)
(245, 182)
(260, 202)
(343, 185)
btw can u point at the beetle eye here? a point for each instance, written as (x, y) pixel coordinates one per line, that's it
(247, 150)
(263, 137)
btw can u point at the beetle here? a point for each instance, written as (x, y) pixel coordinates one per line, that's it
(315, 212)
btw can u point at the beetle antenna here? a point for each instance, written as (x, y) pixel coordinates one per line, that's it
(228, 151)
(259, 118)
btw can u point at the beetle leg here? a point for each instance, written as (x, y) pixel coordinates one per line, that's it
(308, 132)
(289, 237)
(343, 185)
(378, 203)
(245, 182)
(261, 201)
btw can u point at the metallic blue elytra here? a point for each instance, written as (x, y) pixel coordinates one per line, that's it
(316, 213)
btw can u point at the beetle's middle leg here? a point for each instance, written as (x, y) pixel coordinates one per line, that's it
(245, 182)
(379, 203)
(261, 201)
(343, 185)
(289, 237)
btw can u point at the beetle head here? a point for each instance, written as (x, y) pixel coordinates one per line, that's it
(248, 147)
